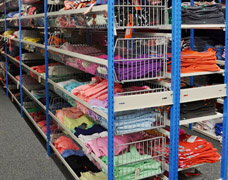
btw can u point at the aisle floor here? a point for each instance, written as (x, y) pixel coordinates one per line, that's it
(22, 157)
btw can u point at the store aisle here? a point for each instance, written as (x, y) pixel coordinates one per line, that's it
(22, 155)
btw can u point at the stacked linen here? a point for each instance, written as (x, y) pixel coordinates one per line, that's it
(193, 61)
(206, 14)
(126, 121)
(194, 150)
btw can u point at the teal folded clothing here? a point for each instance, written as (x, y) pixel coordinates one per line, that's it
(69, 87)
(127, 164)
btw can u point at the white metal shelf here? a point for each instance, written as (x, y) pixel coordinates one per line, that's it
(198, 119)
(206, 133)
(220, 101)
(221, 62)
(45, 137)
(197, 26)
(198, 73)
(77, 140)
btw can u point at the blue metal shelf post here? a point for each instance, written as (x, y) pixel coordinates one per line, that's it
(225, 108)
(192, 47)
(46, 73)
(175, 85)
(110, 89)
(20, 50)
(7, 93)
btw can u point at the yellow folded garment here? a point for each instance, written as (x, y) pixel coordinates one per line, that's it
(73, 123)
(93, 176)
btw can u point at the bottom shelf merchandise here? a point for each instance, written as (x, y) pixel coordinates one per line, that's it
(193, 151)
(212, 128)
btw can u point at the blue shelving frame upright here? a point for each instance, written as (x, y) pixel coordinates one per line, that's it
(6, 58)
(20, 55)
(46, 74)
(225, 107)
(175, 86)
(110, 90)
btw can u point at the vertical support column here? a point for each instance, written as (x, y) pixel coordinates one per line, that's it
(192, 47)
(20, 51)
(110, 89)
(225, 108)
(175, 86)
(46, 73)
(5, 39)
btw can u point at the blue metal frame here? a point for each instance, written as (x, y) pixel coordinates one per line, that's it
(192, 47)
(20, 50)
(110, 89)
(225, 108)
(7, 93)
(175, 85)
(46, 74)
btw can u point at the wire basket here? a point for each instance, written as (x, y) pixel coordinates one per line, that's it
(139, 159)
(140, 13)
(136, 59)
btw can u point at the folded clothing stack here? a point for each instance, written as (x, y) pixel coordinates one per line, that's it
(29, 82)
(40, 118)
(98, 89)
(197, 109)
(69, 85)
(206, 14)
(127, 163)
(128, 157)
(194, 150)
(74, 156)
(73, 117)
(193, 61)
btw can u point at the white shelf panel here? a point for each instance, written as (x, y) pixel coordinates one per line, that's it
(220, 101)
(201, 93)
(221, 62)
(206, 133)
(122, 103)
(197, 26)
(182, 169)
(198, 73)
(199, 119)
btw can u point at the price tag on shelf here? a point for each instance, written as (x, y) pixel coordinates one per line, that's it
(137, 173)
(128, 32)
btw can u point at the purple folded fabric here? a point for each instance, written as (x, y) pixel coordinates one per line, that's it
(142, 67)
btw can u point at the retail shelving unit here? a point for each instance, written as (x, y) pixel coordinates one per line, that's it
(169, 94)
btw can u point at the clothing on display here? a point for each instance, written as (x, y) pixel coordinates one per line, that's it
(207, 14)
(193, 61)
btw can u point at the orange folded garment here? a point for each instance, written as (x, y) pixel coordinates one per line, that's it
(193, 61)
